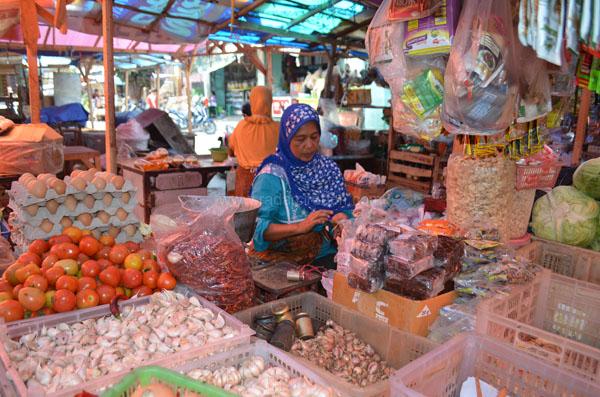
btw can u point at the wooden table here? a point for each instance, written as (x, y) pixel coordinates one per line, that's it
(271, 282)
(89, 157)
(145, 180)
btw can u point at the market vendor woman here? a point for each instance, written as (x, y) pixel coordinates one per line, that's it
(303, 195)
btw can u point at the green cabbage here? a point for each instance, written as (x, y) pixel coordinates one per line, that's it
(587, 178)
(566, 215)
(596, 243)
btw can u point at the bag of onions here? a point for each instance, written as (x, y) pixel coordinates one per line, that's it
(203, 251)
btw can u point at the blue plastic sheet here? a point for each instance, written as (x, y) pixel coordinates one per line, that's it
(70, 113)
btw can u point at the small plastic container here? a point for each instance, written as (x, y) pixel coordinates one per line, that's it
(442, 372)
(395, 346)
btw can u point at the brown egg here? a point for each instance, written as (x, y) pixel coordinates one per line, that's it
(66, 222)
(126, 197)
(89, 201)
(96, 233)
(114, 231)
(26, 177)
(37, 188)
(130, 230)
(52, 206)
(87, 175)
(107, 199)
(32, 209)
(103, 216)
(71, 203)
(46, 226)
(117, 181)
(76, 173)
(85, 219)
(78, 183)
(99, 183)
(60, 187)
(45, 177)
(121, 214)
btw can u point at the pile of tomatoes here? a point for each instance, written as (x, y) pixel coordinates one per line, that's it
(75, 271)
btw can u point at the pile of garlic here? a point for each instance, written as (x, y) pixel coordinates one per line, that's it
(69, 354)
(253, 377)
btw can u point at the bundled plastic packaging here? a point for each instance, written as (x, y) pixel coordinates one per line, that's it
(481, 81)
(203, 251)
(412, 247)
(400, 270)
(367, 276)
(423, 286)
(403, 10)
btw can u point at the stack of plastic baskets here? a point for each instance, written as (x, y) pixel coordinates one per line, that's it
(442, 372)
(557, 320)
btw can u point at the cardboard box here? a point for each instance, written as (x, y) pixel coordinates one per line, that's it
(34, 148)
(406, 314)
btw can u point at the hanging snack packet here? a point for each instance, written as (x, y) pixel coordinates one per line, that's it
(481, 78)
(404, 10)
(432, 35)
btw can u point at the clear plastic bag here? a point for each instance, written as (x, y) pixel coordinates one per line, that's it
(367, 251)
(412, 247)
(403, 10)
(6, 255)
(398, 269)
(203, 251)
(375, 233)
(481, 78)
(19, 157)
(367, 276)
(423, 286)
(535, 100)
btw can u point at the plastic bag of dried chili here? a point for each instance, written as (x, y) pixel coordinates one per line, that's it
(203, 251)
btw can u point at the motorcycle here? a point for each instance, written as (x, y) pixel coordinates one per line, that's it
(201, 122)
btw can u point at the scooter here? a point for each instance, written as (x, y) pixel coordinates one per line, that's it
(201, 122)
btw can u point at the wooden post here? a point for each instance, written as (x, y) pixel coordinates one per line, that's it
(109, 86)
(31, 34)
(126, 90)
(158, 86)
(580, 131)
(189, 62)
(269, 55)
(84, 68)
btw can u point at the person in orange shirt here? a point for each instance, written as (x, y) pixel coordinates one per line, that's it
(254, 139)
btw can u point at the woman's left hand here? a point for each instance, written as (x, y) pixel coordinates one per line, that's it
(338, 218)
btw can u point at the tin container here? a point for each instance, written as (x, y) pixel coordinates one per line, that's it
(294, 275)
(284, 335)
(304, 327)
(282, 312)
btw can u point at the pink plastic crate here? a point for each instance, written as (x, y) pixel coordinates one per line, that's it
(11, 376)
(537, 176)
(556, 319)
(441, 373)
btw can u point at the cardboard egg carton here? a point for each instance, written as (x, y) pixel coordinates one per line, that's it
(21, 196)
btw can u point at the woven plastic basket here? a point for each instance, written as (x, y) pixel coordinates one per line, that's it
(442, 372)
(556, 319)
(537, 176)
(397, 347)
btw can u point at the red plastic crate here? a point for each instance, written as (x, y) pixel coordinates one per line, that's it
(537, 176)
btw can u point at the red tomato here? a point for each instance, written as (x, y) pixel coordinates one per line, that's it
(131, 246)
(104, 263)
(74, 233)
(54, 273)
(82, 258)
(110, 276)
(107, 239)
(37, 281)
(118, 253)
(142, 290)
(10, 274)
(133, 261)
(106, 293)
(6, 296)
(90, 268)
(32, 298)
(47, 311)
(23, 273)
(89, 245)
(67, 282)
(49, 261)
(86, 283)
(121, 292)
(59, 239)
(87, 298)
(11, 310)
(30, 257)
(16, 290)
(150, 278)
(39, 247)
(102, 253)
(132, 278)
(5, 286)
(150, 264)
(145, 254)
(65, 250)
(64, 301)
(166, 281)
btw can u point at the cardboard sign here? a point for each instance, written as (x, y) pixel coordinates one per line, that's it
(409, 315)
(280, 103)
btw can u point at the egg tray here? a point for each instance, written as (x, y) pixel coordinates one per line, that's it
(57, 228)
(43, 213)
(22, 197)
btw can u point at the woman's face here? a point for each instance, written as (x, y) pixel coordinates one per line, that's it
(305, 144)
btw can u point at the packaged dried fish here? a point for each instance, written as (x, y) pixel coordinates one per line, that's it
(398, 269)
(423, 286)
(412, 247)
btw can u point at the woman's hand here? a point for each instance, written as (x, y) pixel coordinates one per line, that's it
(339, 218)
(316, 218)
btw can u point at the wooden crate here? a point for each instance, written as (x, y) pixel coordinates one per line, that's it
(413, 170)
(358, 192)
(359, 97)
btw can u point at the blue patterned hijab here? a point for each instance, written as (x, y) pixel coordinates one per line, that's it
(317, 184)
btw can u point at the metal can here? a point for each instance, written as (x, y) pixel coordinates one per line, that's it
(304, 327)
(282, 312)
(283, 337)
(294, 275)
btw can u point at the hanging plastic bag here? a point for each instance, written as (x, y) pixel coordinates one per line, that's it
(382, 40)
(405, 10)
(481, 80)
(535, 100)
(202, 250)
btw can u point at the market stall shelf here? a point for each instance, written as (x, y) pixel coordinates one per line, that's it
(579, 263)
(396, 347)
(556, 319)
(413, 170)
(442, 372)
